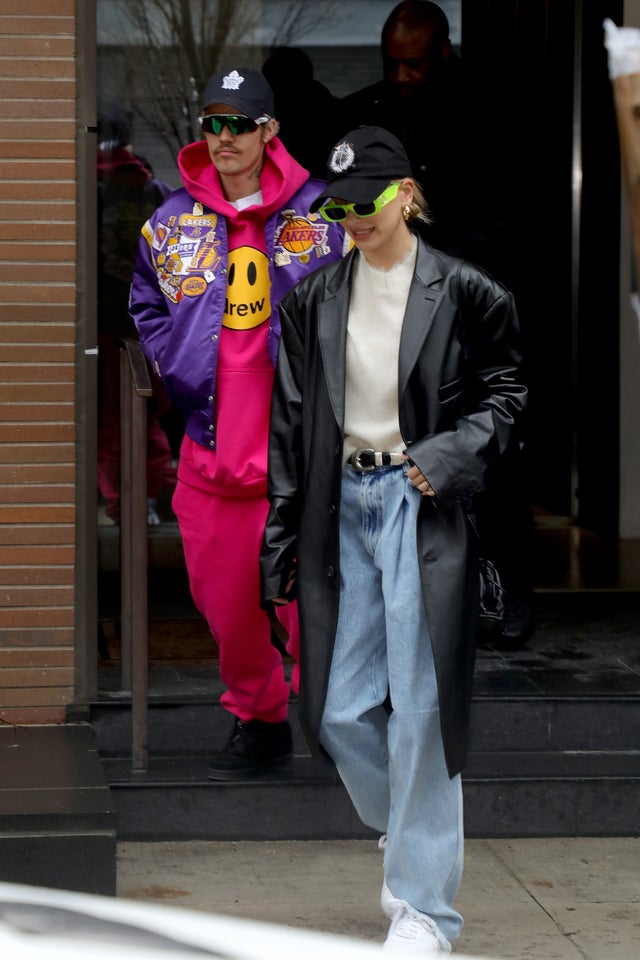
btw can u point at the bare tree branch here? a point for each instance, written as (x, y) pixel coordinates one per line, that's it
(163, 51)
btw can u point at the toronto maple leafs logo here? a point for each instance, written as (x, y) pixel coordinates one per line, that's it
(342, 158)
(232, 81)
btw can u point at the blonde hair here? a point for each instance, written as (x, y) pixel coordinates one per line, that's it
(418, 208)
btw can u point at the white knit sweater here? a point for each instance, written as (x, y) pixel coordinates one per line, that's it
(376, 312)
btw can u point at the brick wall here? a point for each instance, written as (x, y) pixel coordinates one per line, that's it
(37, 332)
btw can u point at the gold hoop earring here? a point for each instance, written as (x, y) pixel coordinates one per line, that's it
(406, 211)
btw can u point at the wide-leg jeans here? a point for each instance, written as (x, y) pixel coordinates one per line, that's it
(381, 721)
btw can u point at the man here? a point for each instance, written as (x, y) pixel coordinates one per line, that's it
(420, 99)
(289, 71)
(213, 262)
(426, 100)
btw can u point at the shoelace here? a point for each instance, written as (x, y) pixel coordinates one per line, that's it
(239, 729)
(410, 927)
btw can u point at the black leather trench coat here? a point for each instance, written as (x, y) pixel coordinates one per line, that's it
(460, 400)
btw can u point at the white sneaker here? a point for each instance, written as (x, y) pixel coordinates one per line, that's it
(390, 904)
(413, 932)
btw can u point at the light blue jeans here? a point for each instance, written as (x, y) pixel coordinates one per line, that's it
(392, 761)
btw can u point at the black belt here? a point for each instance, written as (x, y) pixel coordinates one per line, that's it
(366, 459)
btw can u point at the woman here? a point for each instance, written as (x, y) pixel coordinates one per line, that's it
(396, 388)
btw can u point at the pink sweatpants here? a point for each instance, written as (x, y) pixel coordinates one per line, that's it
(221, 538)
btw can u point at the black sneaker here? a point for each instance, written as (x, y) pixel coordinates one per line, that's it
(252, 746)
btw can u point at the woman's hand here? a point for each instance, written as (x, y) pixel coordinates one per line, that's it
(420, 482)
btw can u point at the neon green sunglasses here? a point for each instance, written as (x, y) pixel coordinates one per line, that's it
(333, 212)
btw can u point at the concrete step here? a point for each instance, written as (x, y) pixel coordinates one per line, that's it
(57, 818)
(537, 767)
(508, 795)
(498, 723)
(555, 734)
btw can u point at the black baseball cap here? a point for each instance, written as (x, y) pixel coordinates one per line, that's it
(247, 91)
(361, 165)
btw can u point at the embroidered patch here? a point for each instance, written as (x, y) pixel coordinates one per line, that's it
(232, 81)
(342, 158)
(159, 236)
(191, 247)
(298, 237)
(169, 287)
(193, 286)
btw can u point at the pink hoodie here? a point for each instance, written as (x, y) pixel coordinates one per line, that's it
(238, 466)
(281, 177)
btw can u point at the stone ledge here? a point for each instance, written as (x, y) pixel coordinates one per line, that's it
(57, 819)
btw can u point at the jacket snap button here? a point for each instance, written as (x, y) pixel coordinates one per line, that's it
(331, 571)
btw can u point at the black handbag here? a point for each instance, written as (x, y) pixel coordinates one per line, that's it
(492, 594)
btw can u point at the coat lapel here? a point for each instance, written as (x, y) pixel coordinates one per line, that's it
(333, 313)
(424, 299)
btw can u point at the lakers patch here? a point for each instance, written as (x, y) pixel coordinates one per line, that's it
(300, 238)
(186, 253)
(193, 286)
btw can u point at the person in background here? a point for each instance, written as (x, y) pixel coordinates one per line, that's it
(422, 100)
(213, 263)
(127, 194)
(397, 386)
(298, 95)
(429, 102)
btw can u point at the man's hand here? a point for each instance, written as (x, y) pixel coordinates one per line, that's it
(289, 591)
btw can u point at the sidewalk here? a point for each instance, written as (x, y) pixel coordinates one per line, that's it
(540, 899)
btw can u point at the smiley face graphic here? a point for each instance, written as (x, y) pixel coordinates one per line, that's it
(247, 304)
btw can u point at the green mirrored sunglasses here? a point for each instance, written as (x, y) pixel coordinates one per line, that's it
(215, 122)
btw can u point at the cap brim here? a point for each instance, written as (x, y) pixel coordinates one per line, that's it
(351, 190)
(248, 109)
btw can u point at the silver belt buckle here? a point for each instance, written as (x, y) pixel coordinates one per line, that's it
(356, 460)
